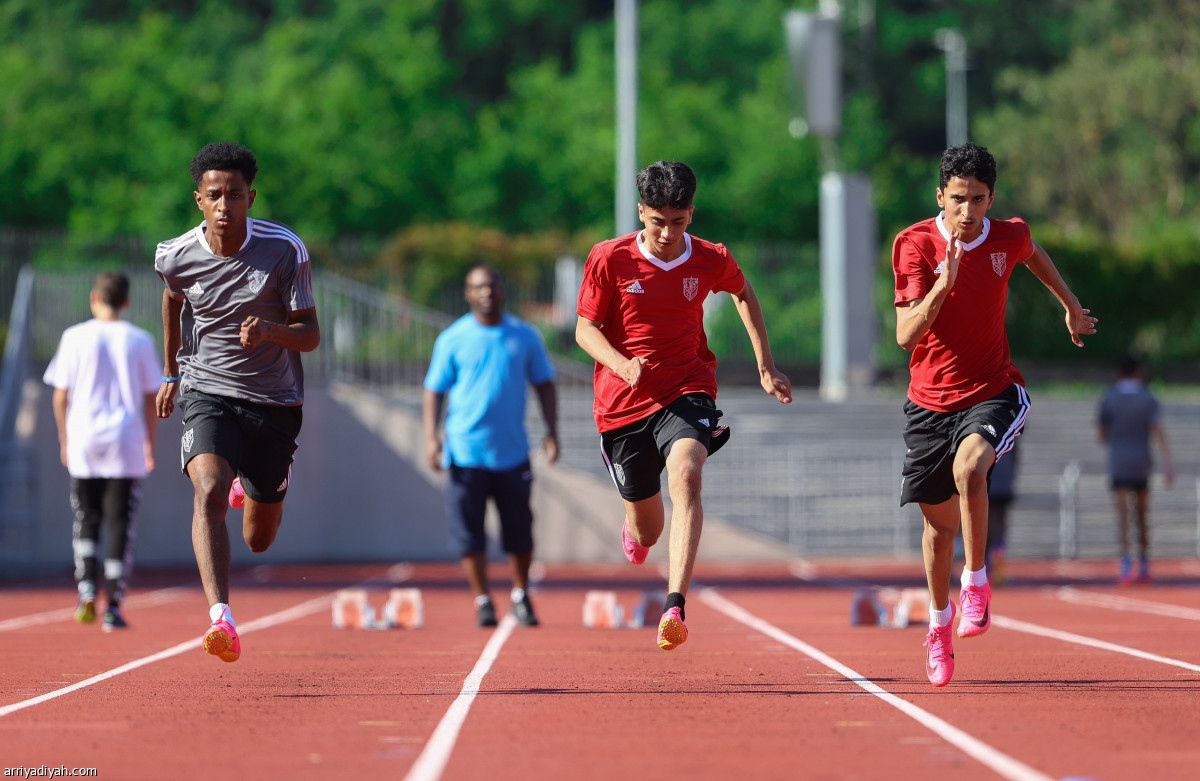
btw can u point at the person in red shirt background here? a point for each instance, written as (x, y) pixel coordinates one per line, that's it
(966, 401)
(641, 317)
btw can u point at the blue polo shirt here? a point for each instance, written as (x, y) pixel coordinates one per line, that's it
(484, 370)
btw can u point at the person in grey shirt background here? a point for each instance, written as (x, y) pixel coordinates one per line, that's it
(237, 312)
(1129, 419)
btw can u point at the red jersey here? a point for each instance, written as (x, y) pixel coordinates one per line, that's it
(963, 358)
(654, 309)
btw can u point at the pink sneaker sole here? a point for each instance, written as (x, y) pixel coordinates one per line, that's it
(237, 497)
(222, 642)
(671, 630)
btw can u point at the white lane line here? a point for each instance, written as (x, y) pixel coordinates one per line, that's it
(1069, 637)
(1114, 602)
(432, 762)
(274, 619)
(67, 614)
(998, 762)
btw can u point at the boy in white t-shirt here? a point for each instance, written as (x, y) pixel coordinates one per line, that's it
(105, 376)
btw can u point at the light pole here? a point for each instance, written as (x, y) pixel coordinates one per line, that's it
(626, 52)
(954, 44)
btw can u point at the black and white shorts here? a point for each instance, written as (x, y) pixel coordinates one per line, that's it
(932, 439)
(258, 440)
(636, 454)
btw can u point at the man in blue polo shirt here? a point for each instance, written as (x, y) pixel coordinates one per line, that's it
(482, 363)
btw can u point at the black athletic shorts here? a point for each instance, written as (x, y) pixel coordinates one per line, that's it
(636, 454)
(932, 439)
(467, 492)
(258, 440)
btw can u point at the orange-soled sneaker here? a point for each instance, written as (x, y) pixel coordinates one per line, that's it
(671, 630)
(222, 641)
(939, 661)
(976, 610)
(634, 552)
(237, 496)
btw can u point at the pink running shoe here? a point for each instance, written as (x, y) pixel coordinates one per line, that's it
(939, 662)
(237, 497)
(634, 552)
(671, 631)
(976, 610)
(222, 641)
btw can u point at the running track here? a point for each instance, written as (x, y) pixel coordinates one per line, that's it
(1076, 679)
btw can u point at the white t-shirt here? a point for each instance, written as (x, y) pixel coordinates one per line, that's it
(108, 367)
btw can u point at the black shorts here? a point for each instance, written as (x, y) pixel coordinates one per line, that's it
(258, 440)
(636, 454)
(1129, 483)
(932, 439)
(467, 493)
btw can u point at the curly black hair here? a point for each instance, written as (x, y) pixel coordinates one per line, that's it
(969, 160)
(667, 184)
(224, 156)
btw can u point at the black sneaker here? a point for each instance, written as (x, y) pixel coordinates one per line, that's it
(523, 612)
(113, 619)
(485, 614)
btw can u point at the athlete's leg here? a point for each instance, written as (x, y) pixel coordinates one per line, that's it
(260, 523)
(685, 464)
(971, 464)
(645, 520)
(937, 547)
(121, 497)
(1142, 499)
(1121, 497)
(211, 477)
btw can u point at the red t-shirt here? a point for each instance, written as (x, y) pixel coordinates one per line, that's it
(655, 309)
(963, 358)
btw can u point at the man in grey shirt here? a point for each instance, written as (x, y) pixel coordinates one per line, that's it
(237, 312)
(1129, 419)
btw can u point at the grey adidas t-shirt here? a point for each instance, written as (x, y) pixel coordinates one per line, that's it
(269, 277)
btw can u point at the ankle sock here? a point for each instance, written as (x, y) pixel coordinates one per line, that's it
(482, 600)
(517, 595)
(976, 578)
(675, 599)
(940, 618)
(221, 611)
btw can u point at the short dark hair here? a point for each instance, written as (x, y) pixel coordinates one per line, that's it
(1128, 365)
(667, 184)
(968, 160)
(112, 288)
(224, 156)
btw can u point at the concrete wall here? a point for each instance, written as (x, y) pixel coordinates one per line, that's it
(360, 492)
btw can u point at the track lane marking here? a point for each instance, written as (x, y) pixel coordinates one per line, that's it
(1070, 637)
(432, 762)
(149, 599)
(997, 761)
(1114, 602)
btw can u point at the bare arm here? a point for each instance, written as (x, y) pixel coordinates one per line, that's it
(1079, 320)
(171, 309)
(593, 341)
(431, 415)
(61, 400)
(548, 398)
(1159, 434)
(301, 332)
(150, 412)
(915, 318)
(749, 309)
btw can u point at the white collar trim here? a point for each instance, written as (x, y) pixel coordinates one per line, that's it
(204, 240)
(982, 237)
(666, 265)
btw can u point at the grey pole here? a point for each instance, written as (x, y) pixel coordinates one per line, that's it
(954, 45)
(626, 21)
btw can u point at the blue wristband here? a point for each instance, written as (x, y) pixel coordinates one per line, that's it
(170, 379)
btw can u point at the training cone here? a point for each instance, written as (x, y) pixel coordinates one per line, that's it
(601, 611)
(648, 609)
(404, 609)
(865, 609)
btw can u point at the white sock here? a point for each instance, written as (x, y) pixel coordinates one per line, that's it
(219, 611)
(517, 595)
(940, 618)
(482, 599)
(976, 578)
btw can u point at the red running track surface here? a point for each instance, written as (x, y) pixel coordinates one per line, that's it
(773, 682)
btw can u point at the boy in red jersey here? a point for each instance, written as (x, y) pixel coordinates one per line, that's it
(966, 401)
(641, 317)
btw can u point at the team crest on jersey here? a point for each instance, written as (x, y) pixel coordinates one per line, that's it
(691, 286)
(188, 437)
(258, 278)
(999, 261)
